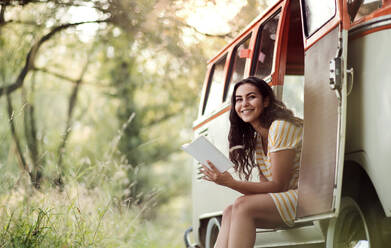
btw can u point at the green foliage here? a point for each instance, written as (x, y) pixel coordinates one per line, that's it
(22, 232)
(86, 216)
(139, 82)
(138, 70)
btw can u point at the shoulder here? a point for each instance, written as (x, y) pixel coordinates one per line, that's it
(282, 125)
(285, 134)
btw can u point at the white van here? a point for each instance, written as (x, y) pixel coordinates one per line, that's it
(330, 62)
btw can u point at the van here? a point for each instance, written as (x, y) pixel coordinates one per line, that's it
(329, 62)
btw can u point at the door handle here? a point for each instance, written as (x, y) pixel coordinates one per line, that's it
(350, 80)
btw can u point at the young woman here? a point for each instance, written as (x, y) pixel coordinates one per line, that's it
(264, 135)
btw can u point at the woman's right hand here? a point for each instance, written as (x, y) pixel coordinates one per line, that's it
(212, 174)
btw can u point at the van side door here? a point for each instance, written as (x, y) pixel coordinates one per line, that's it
(325, 49)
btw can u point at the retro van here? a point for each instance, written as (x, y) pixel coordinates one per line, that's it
(330, 62)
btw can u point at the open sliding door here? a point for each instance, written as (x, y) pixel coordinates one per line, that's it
(325, 45)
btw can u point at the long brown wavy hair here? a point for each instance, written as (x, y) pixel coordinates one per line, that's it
(242, 136)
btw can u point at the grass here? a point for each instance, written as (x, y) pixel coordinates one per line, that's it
(79, 217)
(93, 210)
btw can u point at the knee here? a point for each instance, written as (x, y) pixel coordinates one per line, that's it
(240, 205)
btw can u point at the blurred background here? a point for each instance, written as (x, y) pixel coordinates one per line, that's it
(96, 98)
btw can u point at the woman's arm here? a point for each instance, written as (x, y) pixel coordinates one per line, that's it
(282, 163)
(262, 178)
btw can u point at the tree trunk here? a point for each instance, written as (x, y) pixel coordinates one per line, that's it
(68, 127)
(21, 159)
(31, 138)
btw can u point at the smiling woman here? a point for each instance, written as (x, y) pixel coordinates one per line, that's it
(249, 104)
(264, 135)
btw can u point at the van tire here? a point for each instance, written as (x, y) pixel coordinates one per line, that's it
(375, 217)
(349, 228)
(212, 230)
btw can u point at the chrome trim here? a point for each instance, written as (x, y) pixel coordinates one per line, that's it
(268, 79)
(209, 215)
(318, 217)
(186, 237)
(211, 223)
(374, 23)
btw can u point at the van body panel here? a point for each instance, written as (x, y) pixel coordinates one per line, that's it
(369, 109)
(317, 172)
(209, 197)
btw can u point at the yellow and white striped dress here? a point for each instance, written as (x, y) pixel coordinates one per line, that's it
(283, 135)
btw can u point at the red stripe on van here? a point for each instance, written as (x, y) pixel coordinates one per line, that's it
(364, 33)
(212, 117)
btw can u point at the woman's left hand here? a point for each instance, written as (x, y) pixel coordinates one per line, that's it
(214, 175)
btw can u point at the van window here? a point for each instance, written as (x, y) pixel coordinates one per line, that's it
(293, 87)
(238, 63)
(214, 91)
(360, 8)
(317, 13)
(265, 47)
(293, 94)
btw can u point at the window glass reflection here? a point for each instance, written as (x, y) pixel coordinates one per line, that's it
(360, 8)
(214, 93)
(240, 56)
(293, 94)
(317, 13)
(265, 49)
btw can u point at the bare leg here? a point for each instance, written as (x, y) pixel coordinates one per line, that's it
(222, 238)
(249, 212)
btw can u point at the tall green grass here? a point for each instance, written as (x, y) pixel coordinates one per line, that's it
(81, 217)
(94, 208)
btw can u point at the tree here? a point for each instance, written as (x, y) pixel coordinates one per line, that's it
(136, 59)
